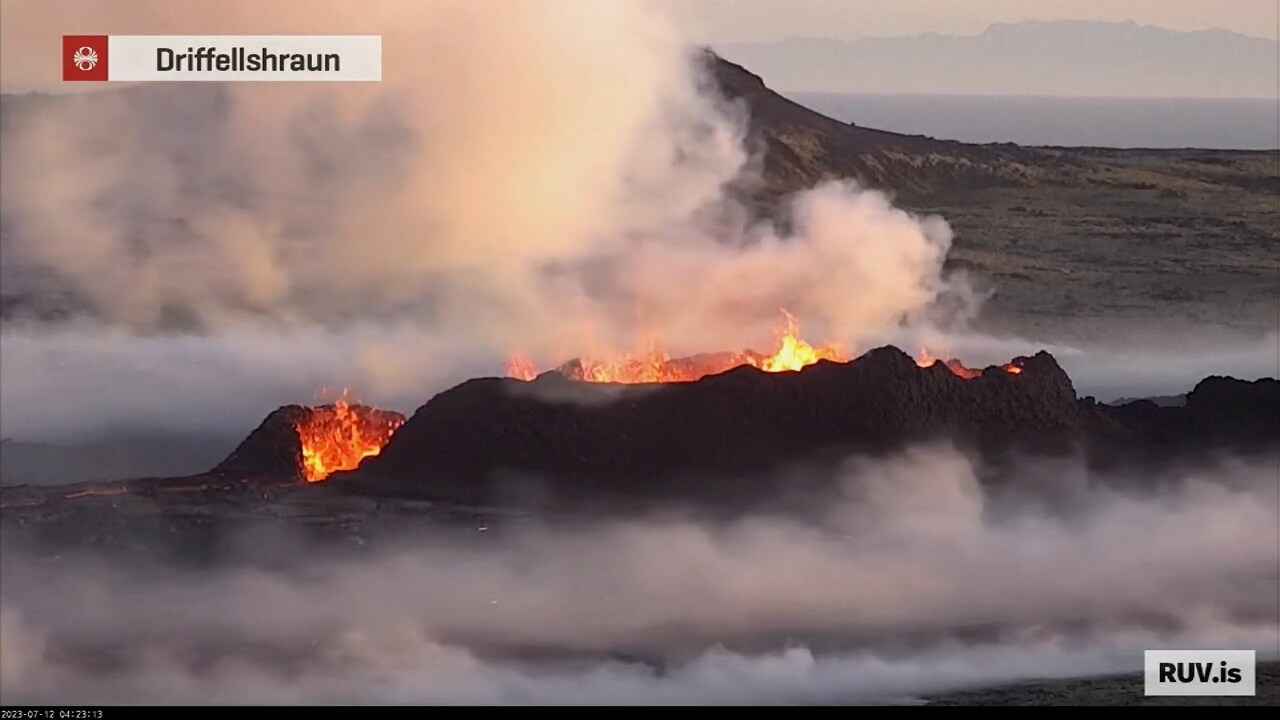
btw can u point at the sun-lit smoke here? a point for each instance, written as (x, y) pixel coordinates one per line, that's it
(552, 169)
(913, 577)
(551, 181)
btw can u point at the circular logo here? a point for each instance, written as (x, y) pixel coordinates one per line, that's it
(85, 58)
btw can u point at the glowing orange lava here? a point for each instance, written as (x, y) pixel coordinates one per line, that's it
(521, 367)
(338, 436)
(794, 353)
(654, 365)
(957, 368)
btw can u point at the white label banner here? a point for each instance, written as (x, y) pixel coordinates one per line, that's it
(239, 58)
(1199, 672)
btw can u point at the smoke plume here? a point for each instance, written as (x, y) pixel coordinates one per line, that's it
(547, 178)
(555, 178)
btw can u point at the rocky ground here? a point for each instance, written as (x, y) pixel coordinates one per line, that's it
(1150, 251)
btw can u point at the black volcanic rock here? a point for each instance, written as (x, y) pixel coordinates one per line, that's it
(730, 439)
(272, 449)
(1221, 412)
(495, 440)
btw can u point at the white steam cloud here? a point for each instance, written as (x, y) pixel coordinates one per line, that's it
(546, 177)
(916, 578)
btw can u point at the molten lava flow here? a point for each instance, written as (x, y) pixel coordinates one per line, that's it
(957, 368)
(338, 436)
(521, 367)
(654, 365)
(794, 353)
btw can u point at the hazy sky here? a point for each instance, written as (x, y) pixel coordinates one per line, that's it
(29, 29)
(720, 21)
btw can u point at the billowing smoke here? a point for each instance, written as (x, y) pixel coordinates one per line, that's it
(545, 177)
(555, 178)
(915, 577)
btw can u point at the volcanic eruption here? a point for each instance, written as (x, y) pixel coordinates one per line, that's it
(312, 443)
(925, 359)
(720, 439)
(654, 365)
(338, 436)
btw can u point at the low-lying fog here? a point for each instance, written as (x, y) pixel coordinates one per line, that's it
(75, 384)
(914, 579)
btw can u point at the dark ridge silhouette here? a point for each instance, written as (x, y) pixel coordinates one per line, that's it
(725, 438)
(1220, 412)
(803, 147)
(738, 439)
(553, 440)
(273, 449)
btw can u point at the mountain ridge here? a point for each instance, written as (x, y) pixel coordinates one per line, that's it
(1080, 58)
(801, 147)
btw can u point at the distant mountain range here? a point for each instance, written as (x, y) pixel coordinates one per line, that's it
(1028, 58)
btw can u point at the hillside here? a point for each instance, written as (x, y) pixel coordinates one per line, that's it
(1089, 245)
(802, 147)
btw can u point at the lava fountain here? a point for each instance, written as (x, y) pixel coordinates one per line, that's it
(338, 436)
(654, 365)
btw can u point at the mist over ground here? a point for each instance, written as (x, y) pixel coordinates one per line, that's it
(89, 383)
(914, 579)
